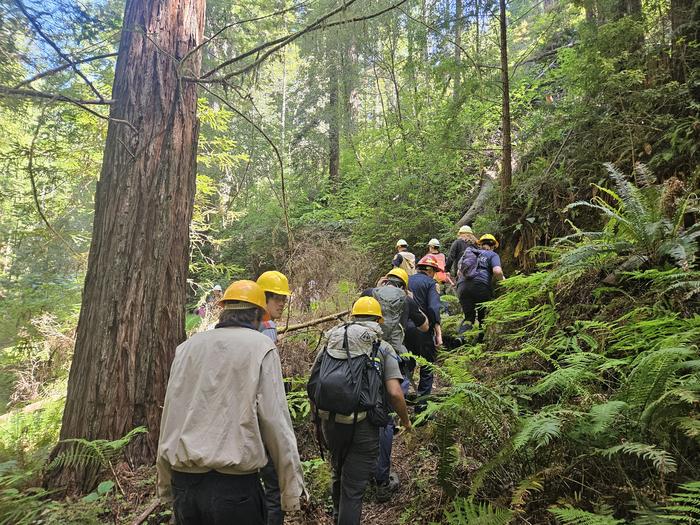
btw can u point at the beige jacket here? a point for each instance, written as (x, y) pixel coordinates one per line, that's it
(225, 405)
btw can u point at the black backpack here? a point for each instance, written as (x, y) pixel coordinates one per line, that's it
(350, 385)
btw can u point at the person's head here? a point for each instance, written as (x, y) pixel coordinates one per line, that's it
(243, 302)
(276, 287)
(216, 290)
(488, 242)
(397, 277)
(466, 234)
(367, 309)
(434, 246)
(401, 245)
(428, 265)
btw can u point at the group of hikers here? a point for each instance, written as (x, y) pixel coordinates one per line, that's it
(227, 452)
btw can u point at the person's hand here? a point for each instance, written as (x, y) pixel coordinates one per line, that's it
(438, 339)
(404, 428)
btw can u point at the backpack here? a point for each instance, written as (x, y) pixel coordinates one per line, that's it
(469, 263)
(393, 303)
(408, 263)
(350, 385)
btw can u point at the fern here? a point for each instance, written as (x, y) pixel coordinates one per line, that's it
(541, 429)
(686, 504)
(651, 374)
(572, 516)
(466, 512)
(601, 417)
(663, 461)
(82, 454)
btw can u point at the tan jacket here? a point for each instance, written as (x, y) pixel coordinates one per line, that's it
(225, 405)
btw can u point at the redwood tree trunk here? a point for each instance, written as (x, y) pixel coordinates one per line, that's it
(333, 125)
(132, 314)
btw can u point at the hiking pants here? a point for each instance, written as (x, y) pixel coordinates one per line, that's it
(218, 499)
(471, 296)
(268, 474)
(422, 344)
(386, 440)
(353, 458)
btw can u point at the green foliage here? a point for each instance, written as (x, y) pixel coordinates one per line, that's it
(80, 453)
(572, 516)
(685, 504)
(466, 512)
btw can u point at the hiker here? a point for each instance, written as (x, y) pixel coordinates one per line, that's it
(399, 311)
(404, 259)
(224, 406)
(350, 417)
(277, 292)
(422, 286)
(465, 237)
(477, 269)
(210, 302)
(276, 288)
(442, 276)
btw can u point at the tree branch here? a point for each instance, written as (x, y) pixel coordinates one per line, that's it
(313, 322)
(237, 23)
(55, 47)
(279, 43)
(63, 67)
(277, 154)
(35, 195)
(55, 97)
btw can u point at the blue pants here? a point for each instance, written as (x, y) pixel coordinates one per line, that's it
(386, 439)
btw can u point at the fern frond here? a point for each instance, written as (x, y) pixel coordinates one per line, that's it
(572, 516)
(662, 460)
(686, 504)
(465, 512)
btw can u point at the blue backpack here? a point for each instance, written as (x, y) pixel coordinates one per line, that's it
(468, 265)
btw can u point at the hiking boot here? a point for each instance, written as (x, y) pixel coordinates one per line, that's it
(386, 490)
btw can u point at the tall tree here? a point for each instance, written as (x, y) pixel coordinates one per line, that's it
(507, 168)
(132, 314)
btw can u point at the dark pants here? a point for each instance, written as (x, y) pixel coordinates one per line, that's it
(218, 499)
(422, 344)
(471, 296)
(353, 458)
(268, 474)
(386, 440)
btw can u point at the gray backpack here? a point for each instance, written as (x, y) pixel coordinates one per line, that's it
(393, 303)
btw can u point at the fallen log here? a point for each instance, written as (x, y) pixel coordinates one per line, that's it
(313, 322)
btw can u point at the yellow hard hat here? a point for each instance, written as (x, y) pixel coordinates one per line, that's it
(245, 291)
(367, 306)
(274, 282)
(400, 273)
(489, 237)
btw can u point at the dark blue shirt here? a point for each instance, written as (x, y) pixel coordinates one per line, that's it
(486, 262)
(426, 295)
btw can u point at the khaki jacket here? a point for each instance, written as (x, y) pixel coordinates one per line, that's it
(224, 407)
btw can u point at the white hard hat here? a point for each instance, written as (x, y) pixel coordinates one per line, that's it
(401, 242)
(217, 288)
(434, 242)
(465, 229)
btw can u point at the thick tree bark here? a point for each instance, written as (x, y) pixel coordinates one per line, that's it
(333, 127)
(507, 168)
(680, 16)
(132, 314)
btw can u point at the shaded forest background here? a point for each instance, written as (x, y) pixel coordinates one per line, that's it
(387, 122)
